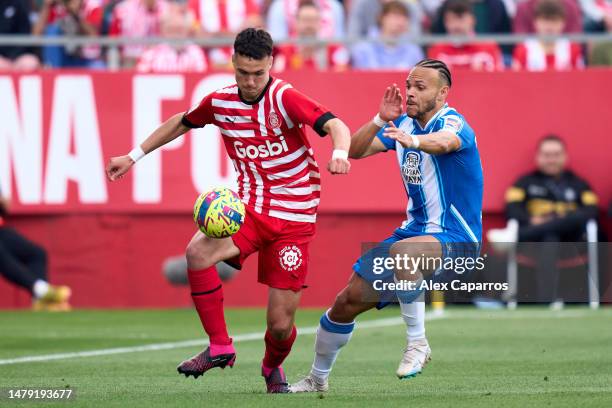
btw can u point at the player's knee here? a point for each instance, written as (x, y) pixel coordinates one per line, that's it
(197, 256)
(280, 328)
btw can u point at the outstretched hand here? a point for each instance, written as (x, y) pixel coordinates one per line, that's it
(391, 104)
(392, 132)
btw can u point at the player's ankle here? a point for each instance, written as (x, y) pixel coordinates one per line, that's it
(216, 349)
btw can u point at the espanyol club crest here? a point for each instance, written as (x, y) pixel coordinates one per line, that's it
(290, 258)
(273, 120)
(410, 169)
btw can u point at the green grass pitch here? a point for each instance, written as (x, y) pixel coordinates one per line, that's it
(524, 358)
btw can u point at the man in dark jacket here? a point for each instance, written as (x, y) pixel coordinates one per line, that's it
(551, 204)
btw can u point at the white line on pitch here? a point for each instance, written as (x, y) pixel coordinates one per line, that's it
(187, 343)
(393, 321)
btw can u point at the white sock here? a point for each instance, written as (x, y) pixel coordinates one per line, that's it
(331, 337)
(40, 288)
(414, 317)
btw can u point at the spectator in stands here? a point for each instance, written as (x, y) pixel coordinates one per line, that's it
(459, 20)
(70, 18)
(178, 23)
(24, 264)
(550, 204)
(491, 17)
(15, 19)
(524, 22)
(601, 53)
(363, 17)
(281, 19)
(320, 57)
(390, 50)
(136, 18)
(540, 54)
(595, 14)
(225, 18)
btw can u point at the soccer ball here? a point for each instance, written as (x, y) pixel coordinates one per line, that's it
(219, 213)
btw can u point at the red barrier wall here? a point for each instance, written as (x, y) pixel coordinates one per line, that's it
(108, 241)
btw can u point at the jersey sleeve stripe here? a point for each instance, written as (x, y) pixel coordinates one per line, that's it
(321, 121)
(281, 107)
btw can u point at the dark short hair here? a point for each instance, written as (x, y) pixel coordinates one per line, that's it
(549, 9)
(253, 43)
(551, 138)
(394, 6)
(441, 67)
(459, 7)
(307, 3)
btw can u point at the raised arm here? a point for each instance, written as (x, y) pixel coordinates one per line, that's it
(165, 133)
(441, 142)
(364, 142)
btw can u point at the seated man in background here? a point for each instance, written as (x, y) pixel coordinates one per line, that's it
(541, 55)
(306, 56)
(177, 23)
(459, 19)
(15, 20)
(24, 263)
(390, 50)
(550, 204)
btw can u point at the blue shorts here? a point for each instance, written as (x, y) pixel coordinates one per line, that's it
(456, 248)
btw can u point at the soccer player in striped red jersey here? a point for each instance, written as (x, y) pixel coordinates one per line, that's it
(262, 122)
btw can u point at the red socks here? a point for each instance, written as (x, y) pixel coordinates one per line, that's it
(207, 295)
(277, 350)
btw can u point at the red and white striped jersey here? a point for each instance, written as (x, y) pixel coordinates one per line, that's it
(266, 140)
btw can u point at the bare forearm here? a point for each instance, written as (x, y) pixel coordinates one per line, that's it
(362, 139)
(439, 143)
(167, 132)
(339, 133)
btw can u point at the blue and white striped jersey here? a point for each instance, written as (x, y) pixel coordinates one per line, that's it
(444, 191)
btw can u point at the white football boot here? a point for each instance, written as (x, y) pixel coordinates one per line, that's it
(309, 384)
(416, 356)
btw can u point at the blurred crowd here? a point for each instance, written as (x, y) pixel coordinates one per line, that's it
(384, 30)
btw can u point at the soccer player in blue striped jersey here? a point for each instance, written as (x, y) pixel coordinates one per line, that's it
(441, 172)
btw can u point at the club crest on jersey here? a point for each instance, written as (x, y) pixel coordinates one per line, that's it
(410, 169)
(452, 123)
(274, 120)
(290, 258)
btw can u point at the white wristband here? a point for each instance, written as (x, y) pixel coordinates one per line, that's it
(136, 154)
(378, 121)
(340, 154)
(415, 141)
